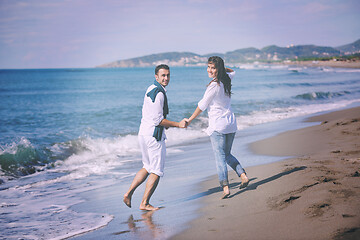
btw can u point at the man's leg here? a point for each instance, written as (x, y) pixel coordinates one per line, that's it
(151, 185)
(138, 179)
(157, 154)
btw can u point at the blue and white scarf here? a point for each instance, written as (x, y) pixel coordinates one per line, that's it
(152, 94)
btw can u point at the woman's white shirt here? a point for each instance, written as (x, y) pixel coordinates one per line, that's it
(218, 105)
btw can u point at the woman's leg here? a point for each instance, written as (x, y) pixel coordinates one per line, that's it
(230, 159)
(233, 162)
(218, 144)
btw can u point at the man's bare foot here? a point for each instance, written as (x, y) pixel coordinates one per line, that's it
(148, 207)
(127, 200)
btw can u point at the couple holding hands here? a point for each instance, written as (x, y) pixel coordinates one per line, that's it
(222, 128)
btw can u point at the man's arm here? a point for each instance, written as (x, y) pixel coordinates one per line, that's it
(167, 123)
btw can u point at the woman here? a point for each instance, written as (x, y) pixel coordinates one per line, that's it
(222, 121)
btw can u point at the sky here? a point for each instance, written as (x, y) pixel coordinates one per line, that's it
(87, 33)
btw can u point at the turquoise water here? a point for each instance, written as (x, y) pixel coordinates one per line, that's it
(58, 126)
(48, 115)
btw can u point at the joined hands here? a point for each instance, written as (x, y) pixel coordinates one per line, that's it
(184, 123)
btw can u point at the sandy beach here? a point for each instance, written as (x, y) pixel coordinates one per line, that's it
(331, 63)
(314, 195)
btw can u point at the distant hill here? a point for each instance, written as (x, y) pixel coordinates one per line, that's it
(351, 48)
(245, 55)
(170, 58)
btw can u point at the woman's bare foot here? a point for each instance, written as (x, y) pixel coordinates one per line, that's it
(127, 200)
(225, 195)
(226, 192)
(148, 207)
(244, 181)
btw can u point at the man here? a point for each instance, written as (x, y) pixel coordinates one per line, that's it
(152, 137)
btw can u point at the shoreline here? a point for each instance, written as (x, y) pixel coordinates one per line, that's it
(178, 192)
(314, 195)
(186, 200)
(331, 63)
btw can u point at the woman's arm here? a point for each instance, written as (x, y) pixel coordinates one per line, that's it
(209, 95)
(228, 69)
(194, 115)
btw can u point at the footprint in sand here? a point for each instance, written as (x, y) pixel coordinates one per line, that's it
(317, 210)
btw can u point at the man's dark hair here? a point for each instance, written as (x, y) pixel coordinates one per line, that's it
(161, 66)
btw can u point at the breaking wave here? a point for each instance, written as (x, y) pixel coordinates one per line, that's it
(321, 95)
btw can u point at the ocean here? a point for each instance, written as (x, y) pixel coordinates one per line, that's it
(65, 132)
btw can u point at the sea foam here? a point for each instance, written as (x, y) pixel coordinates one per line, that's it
(276, 114)
(45, 213)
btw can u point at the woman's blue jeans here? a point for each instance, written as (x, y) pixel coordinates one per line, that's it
(221, 144)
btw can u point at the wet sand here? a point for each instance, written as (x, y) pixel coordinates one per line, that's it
(315, 195)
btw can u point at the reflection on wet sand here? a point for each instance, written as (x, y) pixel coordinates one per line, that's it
(149, 230)
(154, 228)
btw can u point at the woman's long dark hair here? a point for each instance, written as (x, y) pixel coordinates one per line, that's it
(221, 73)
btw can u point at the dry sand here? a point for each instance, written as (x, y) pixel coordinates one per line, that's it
(331, 63)
(313, 196)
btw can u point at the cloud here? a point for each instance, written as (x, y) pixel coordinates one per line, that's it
(29, 57)
(91, 31)
(316, 8)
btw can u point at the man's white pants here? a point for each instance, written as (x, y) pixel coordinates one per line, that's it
(153, 154)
